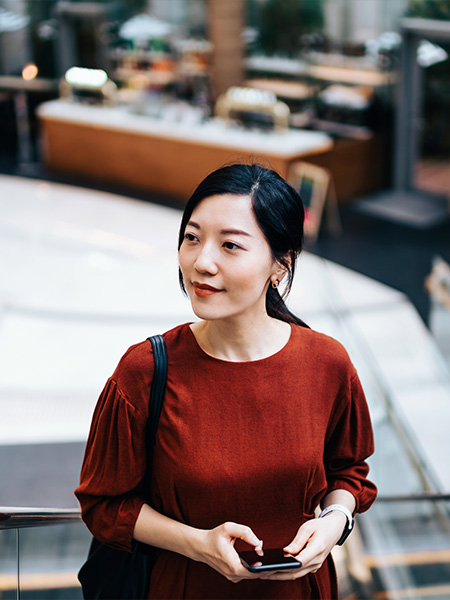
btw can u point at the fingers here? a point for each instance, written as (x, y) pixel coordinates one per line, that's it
(221, 554)
(299, 542)
(245, 534)
(310, 547)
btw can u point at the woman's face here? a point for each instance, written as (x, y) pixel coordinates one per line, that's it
(225, 259)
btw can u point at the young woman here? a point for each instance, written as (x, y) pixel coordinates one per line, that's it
(263, 419)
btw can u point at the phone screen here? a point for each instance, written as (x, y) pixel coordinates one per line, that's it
(272, 560)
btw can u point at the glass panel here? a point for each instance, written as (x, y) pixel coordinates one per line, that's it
(408, 548)
(50, 558)
(8, 564)
(393, 466)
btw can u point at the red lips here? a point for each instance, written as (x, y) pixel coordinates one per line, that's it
(203, 290)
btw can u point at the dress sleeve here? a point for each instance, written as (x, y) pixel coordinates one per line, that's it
(349, 443)
(110, 491)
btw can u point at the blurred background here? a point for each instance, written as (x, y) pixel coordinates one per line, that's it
(110, 113)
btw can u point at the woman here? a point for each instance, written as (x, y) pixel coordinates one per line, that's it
(263, 418)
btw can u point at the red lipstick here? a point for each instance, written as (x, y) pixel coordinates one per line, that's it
(202, 290)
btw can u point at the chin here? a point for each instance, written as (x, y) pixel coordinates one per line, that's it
(206, 311)
(206, 314)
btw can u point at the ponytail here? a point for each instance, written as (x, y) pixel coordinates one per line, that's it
(276, 308)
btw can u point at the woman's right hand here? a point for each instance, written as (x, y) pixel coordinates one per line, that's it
(214, 547)
(218, 550)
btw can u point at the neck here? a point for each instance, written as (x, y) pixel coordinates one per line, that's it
(242, 341)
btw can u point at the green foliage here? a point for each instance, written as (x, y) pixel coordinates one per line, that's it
(283, 22)
(430, 9)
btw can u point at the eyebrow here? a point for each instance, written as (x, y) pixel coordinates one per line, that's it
(223, 231)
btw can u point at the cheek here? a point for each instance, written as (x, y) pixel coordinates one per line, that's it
(183, 259)
(252, 277)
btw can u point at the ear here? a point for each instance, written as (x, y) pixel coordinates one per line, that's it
(280, 269)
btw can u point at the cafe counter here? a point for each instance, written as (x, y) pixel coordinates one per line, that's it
(114, 145)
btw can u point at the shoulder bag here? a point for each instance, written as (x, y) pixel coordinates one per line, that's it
(110, 574)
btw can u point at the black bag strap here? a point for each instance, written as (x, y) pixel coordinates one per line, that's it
(156, 399)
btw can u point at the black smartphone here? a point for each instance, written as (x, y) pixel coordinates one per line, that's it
(272, 560)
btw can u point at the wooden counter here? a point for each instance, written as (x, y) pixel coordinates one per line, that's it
(114, 145)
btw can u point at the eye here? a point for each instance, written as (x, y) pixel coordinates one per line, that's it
(231, 246)
(190, 237)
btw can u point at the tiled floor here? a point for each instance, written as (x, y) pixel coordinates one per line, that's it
(85, 274)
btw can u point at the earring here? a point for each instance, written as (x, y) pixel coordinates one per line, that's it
(275, 284)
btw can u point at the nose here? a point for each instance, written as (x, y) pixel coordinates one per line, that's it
(206, 261)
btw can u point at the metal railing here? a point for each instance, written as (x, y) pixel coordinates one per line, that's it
(37, 558)
(19, 517)
(391, 568)
(422, 497)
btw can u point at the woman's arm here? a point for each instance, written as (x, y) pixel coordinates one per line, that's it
(339, 497)
(214, 547)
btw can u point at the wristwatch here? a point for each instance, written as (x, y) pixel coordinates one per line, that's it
(348, 528)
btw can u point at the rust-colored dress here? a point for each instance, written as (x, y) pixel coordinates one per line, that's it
(258, 443)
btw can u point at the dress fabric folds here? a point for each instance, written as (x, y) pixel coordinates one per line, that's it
(258, 443)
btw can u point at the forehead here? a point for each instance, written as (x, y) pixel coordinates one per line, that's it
(225, 210)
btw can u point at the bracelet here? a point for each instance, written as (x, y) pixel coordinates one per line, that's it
(347, 513)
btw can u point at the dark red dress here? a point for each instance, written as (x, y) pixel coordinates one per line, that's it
(258, 443)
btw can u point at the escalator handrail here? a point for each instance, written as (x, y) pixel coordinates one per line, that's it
(18, 517)
(421, 497)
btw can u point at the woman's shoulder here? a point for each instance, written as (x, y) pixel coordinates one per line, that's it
(321, 348)
(134, 372)
(325, 361)
(138, 359)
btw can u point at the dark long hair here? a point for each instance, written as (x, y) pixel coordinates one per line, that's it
(278, 210)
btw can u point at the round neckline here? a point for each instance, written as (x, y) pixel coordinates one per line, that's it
(239, 362)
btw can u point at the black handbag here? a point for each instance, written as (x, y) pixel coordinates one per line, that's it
(111, 574)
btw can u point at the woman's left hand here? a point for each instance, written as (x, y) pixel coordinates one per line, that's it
(314, 541)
